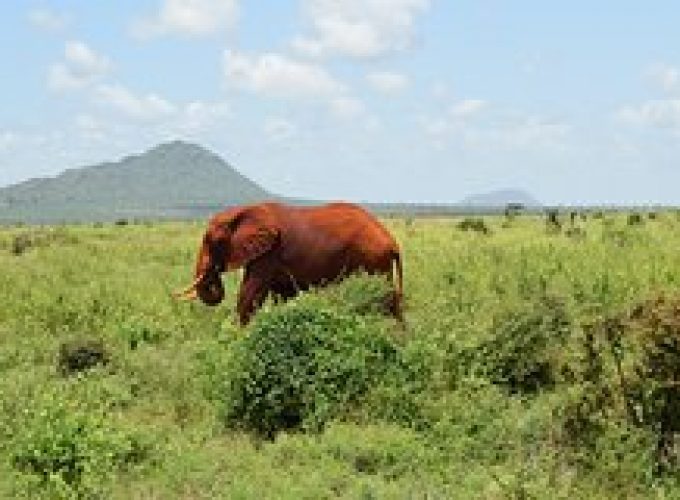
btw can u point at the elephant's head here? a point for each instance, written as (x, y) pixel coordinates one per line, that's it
(233, 239)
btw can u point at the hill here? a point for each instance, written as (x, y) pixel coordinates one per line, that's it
(175, 179)
(181, 180)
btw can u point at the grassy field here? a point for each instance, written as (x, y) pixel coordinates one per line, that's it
(537, 362)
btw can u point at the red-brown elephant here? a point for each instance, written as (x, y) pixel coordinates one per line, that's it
(285, 249)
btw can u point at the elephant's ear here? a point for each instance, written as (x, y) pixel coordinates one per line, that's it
(250, 239)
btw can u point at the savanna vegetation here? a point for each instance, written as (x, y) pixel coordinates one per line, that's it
(540, 359)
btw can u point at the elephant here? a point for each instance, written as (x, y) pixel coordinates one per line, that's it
(286, 249)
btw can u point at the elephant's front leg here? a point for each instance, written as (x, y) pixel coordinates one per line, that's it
(251, 295)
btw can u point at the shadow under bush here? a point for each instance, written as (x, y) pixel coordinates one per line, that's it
(302, 364)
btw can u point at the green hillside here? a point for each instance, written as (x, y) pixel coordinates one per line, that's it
(175, 179)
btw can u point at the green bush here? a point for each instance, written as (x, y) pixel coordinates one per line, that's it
(525, 346)
(70, 450)
(80, 354)
(631, 372)
(302, 364)
(476, 224)
(635, 219)
(361, 294)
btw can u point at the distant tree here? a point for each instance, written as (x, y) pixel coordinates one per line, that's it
(553, 220)
(513, 209)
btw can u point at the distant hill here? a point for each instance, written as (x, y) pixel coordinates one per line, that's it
(175, 179)
(501, 198)
(180, 180)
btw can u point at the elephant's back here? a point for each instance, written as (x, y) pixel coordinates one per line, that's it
(347, 222)
(336, 238)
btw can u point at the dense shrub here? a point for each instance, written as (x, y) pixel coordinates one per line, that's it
(476, 224)
(302, 364)
(39, 237)
(633, 367)
(635, 219)
(80, 354)
(69, 449)
(525, 346)
(361, 294)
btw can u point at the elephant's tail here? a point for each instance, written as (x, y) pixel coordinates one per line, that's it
(398, 285)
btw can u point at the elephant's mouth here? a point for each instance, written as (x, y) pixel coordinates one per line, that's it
(207, 286)
(210, 289)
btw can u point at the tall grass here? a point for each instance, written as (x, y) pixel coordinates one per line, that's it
(487, 393)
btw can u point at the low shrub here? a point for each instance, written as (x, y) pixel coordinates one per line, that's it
(525, 346)
(302, 364)
(66, 450)
(361, 294)
(39, 237)
(476, 224)
(633, 365)
(81, 354)
(635, 219)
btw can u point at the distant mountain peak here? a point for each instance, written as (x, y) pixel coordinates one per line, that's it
(172, 178)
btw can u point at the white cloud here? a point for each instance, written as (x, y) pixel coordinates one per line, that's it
(661, 113)
(499, 130)
(467, 108)
(47, 20)
(189, 18)
(665, 76)
(145, 107)
(345, 107)
(387, 82)
(275, 74)
(81, 67)
(279, 129)
(359, 28)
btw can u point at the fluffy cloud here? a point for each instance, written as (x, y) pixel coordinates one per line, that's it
(359, 28)
(387, 82)
(47, 20)
(81, 67)
(142, 107)
(661, 113)
(275, 74)
(496, 129)
(188, 18)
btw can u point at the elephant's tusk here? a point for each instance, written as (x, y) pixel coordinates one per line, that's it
(190, 289)
(188, 295)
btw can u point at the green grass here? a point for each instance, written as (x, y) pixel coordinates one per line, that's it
(488, 393)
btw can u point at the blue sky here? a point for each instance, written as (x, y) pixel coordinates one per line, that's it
(366, 100)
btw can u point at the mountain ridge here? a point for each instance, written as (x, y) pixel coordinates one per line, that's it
(178, 179)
